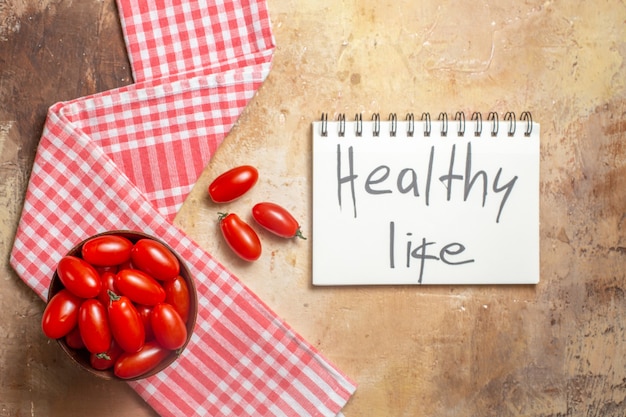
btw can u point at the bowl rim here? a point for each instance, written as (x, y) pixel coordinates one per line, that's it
(81, 357)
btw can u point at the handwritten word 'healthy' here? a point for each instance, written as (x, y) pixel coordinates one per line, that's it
(378, 180)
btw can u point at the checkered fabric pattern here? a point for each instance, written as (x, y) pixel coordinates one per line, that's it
(127, 158)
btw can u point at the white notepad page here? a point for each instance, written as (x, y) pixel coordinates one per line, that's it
(422, 209)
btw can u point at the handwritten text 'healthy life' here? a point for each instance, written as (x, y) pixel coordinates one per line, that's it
(383, 180)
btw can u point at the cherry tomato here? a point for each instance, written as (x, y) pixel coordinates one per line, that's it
(240, 237)
(233, 183)
(106, 250)
(108, 284)
(125, 265)
(73, 339)
(131, 365)
(126, 324)
(110, 268)
(61, 314)
(144, 312)
(277, 220)
(140, 287)
(155, 259)
(105, 360)
(79, 277)
(177, 295)
(93, 323)
(168, 327)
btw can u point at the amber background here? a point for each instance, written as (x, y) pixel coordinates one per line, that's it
(554, 349)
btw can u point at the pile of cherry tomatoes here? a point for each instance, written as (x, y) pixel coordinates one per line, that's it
(123, 303)
(238, 234)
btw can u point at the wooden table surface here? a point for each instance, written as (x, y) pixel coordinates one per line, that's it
(554, 349)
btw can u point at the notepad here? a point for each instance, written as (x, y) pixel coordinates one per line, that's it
(421, 201)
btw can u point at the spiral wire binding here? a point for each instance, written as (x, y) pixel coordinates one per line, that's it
(324, 125)
(510, 117)
(459, 118)
(528, 118)
(443, 118)
(394, 124)
(493, 118)
(358, 118)
(411, 125)
(342, 125)
(478, 118)
(426, 120)
(376, 128)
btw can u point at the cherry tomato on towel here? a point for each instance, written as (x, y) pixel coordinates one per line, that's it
(107, 250)
(168, 327)
(93, 322)
(277, 220)
(131, 365)
(61, 314)
(240, 237)
(126, 325)
(233, 183)
(140, 287)
(79, 277)
(155, 259)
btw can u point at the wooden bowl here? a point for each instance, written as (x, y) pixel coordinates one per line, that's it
(81, 357)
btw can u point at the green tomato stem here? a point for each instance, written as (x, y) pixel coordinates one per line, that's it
(113, 296)
(103, 355)
(299, 234)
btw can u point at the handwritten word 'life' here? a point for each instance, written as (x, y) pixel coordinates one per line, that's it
(378, 180)
(450, 254)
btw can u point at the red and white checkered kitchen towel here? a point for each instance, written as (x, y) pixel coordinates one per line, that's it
(127, 158)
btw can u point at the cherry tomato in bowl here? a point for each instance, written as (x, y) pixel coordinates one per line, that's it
(82, 356)
(177, 295)
(61, 314)
(130, 366)
(168, 327)
(154, 258)
(79, 277)
(106, 250)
